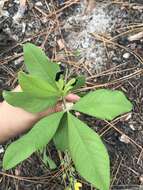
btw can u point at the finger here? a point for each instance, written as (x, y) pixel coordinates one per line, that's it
(72, 98)
(59, 107)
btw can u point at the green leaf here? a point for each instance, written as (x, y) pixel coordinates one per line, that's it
(48, 161)
(104, 104)
(38, 63)
(36, 87)
(60, 84)
(80, 81)
(88, 153)
(71, 82)
(61, 135)
(66, 90)
(27, 102)
(40, 135)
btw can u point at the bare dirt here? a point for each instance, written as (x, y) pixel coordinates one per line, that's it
(103, 41)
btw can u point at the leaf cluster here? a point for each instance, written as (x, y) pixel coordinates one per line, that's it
(41, 90)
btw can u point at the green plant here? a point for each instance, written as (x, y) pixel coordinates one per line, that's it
(40, 90)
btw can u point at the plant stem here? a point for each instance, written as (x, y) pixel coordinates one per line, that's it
(61, 159)
(64, 102)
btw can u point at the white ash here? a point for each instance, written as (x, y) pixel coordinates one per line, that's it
(124, 139)
(3, 12)
(79, 28)
(126, 55)
(16, 1)
(23, 27)
(132, 127)
(20, 13)
(39, 4)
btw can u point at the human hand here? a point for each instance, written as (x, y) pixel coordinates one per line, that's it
(15, 121)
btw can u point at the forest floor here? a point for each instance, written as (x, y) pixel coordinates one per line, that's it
(102, 40)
